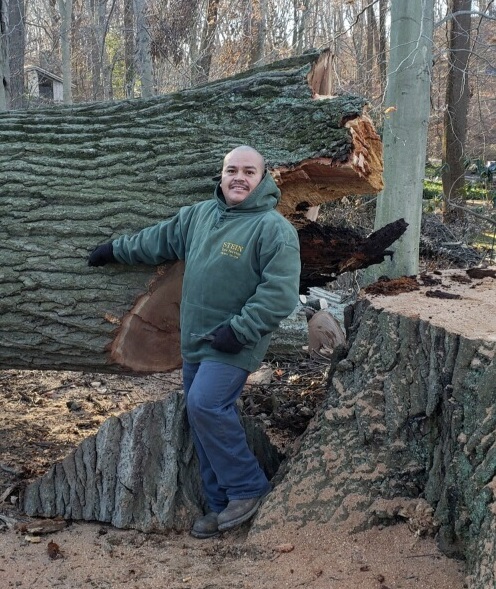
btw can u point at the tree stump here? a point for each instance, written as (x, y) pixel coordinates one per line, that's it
(407, 430)
(139, 471)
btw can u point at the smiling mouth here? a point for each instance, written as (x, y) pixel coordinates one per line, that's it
(238, 186)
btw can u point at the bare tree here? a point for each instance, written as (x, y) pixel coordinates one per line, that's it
(300, 11)
(456, 109)
(4, 57)
(16, 52)
(201, 69)
(405, 131)
(258, 31)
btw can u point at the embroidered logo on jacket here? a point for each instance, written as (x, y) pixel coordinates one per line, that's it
(232, 250)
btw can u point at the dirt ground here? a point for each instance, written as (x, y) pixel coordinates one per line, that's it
(44, 415)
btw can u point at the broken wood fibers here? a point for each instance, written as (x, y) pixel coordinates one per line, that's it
(149, 337)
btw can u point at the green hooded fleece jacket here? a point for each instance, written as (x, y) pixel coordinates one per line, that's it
(242, 267)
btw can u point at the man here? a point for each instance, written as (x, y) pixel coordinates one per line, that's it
(241, 279)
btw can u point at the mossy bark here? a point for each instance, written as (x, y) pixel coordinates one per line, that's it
(409, 421)
(77, 176)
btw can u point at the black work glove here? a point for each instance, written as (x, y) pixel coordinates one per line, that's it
(103, 254)
(225, 340)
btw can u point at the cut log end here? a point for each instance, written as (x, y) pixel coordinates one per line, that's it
(148, 339)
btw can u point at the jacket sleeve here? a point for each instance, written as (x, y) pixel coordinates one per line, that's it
(276, 296)
(156, 244)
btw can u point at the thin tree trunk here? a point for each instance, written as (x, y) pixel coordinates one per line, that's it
(16, 53)
(4, 57)
(143, 48)
(98, 34)
(359, 44)
(55, 28)
(405, 131)
(300, 17)
(382, 54)
(201, 69)
(369, 58)
(456, 110)
(258, 32)
(65, 8)
(129, 49)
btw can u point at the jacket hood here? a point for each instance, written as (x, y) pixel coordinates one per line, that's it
(264, 198)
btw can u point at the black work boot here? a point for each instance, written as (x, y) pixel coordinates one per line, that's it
(237, 512)
(205, 526)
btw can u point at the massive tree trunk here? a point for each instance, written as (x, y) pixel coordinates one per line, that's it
(406, 432)
(76, 177)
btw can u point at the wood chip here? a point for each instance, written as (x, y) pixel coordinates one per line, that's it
(48, 526)
(7, 492)
(32, 539)
(53, 550)
(441, 294)
(284, 548)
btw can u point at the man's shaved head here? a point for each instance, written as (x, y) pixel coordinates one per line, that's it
(242, 172)
(247, 149)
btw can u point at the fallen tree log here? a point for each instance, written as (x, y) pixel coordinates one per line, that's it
(74, 177)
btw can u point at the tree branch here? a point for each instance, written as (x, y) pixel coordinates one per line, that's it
(460, 13)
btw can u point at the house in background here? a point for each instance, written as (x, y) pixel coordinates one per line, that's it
(42, 85)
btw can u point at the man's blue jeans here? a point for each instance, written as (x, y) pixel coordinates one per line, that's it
(228, 468)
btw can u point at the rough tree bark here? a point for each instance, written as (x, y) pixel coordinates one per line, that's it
(407, 430)
(140, 471)
(72, 178)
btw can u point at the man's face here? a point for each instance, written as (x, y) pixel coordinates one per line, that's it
(243, 169)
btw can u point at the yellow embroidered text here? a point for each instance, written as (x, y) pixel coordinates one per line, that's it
(232, 250)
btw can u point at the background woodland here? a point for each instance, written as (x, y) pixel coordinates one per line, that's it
(117, 49)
